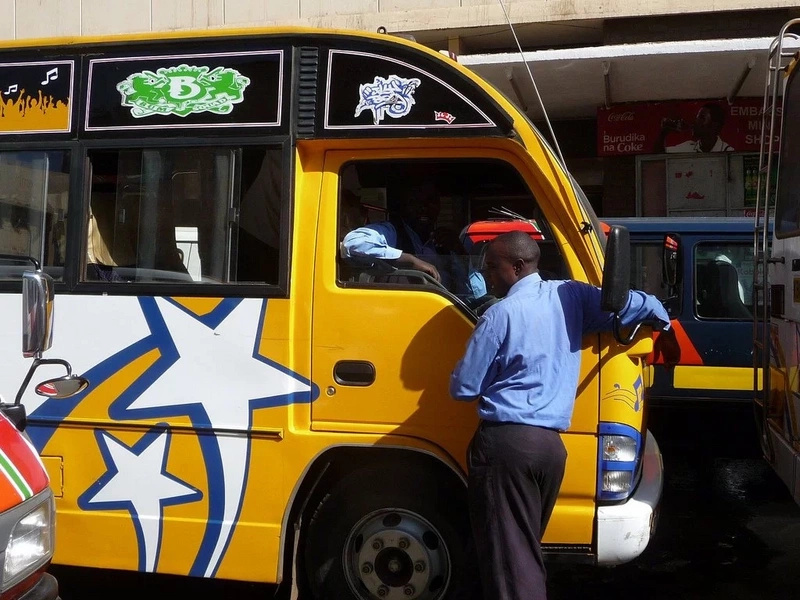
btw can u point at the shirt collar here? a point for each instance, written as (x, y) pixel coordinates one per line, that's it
(524, 283)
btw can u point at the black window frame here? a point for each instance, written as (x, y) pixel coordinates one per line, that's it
(696, 247)
(197, 289)
(657, 244)
(66, 283)
(458, 302)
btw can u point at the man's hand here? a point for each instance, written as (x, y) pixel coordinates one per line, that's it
(673, 124)
(411, 261)
(667, 346)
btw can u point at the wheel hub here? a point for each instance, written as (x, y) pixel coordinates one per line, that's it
(396, 554)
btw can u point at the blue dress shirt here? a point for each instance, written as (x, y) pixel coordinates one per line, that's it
(523, 359)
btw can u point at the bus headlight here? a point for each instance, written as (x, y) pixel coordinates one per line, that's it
(619, 459)
(30, 545)
(619, 448)
(617, 482)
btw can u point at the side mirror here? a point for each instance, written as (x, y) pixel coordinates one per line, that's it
(671, 259)
(62, 387)
(38, 299)
(617, 279)
(617, 271)
(37, 313)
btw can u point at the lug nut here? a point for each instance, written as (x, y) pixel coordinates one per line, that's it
(383, 591)
(377, 544)
(403, 543)
(419, 566)
(409, 590)
(366, 568)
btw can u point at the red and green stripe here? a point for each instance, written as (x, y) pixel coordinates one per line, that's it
(14, 477)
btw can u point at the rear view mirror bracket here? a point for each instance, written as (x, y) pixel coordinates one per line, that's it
(617, 330)
(35, 365)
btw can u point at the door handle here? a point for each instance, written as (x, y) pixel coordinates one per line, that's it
(354, 372)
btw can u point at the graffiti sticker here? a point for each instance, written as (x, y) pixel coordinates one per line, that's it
(182, 91)
(35, 97)
(440, 115)
(632, 397)
(393, 97)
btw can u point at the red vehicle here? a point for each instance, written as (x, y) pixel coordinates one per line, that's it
(27, 509)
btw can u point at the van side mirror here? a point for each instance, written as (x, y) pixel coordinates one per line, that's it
(62, 387)
(671, 259)
(37, 337)
(617, 271)
(37, 313)
(617, 279)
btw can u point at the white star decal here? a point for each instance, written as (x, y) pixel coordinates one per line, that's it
(137, 481)
(218, 379)
(216, 369)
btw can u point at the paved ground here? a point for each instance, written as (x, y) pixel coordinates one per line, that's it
(728, 530)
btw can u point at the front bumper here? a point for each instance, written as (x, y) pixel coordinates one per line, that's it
(45, 589)
(624, 530)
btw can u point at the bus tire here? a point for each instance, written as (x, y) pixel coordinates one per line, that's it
(384, 533)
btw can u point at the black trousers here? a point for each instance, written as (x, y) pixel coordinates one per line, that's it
(515, 472)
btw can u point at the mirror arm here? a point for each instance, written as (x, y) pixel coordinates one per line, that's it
(26, 381)
(57, 361)
(35, 365)
(618, 331)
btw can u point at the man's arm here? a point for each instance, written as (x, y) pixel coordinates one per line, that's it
(377, 241)
(475, 371)
(641, 308)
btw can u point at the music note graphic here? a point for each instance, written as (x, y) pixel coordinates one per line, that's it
(11, 88)
(51, 75)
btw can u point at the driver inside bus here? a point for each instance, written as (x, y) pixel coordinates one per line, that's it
(410, 239)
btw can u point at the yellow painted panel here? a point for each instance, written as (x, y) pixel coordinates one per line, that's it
(573, 516)
(199, 306)
(54, 465)
(714, 378)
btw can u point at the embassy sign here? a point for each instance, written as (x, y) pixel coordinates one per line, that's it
(220, 90)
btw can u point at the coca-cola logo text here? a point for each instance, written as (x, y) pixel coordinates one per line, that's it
(623, 116)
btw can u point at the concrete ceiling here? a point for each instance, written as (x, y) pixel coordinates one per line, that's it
(475, 40)
(572, 84)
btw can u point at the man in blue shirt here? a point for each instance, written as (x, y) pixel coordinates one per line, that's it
(522, 364)
(401, 240)
(410, 240)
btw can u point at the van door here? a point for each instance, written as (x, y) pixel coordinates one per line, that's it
(382, 353)
(711, 312)
(383, 350)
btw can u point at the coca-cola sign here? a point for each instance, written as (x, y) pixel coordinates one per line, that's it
(680, 127)
(615, 117)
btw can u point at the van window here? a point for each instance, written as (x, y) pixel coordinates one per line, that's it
(647, 269)
(204, 215)
(723, 275)
(34, 188)
(787, 204)
(423, 208)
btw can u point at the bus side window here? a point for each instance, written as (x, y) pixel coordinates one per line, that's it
(34, 187)
(202, 215)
